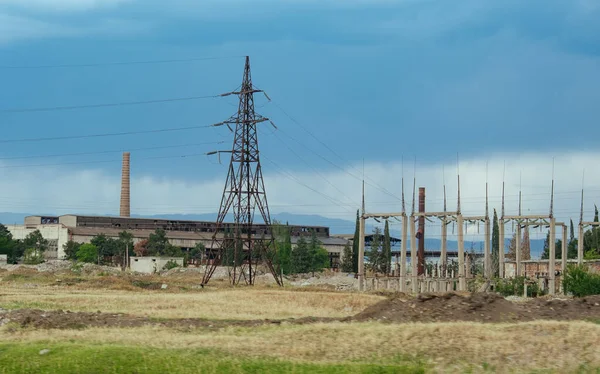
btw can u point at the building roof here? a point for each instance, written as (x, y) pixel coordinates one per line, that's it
(165, 219)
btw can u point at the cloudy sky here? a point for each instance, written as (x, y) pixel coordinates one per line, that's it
(352, 83)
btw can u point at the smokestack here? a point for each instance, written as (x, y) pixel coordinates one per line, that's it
(125, 191)
(421, 234)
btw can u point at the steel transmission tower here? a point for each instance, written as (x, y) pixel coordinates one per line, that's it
(243, 246)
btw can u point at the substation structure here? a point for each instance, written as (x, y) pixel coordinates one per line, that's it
(523, 221)
(440, 279)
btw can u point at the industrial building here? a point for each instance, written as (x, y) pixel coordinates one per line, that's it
(58, 230)
(186, 234)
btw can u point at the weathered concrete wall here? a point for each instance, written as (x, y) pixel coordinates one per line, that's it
(152, 264)
(57, 235)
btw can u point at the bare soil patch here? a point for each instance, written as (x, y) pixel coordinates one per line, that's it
(450, 307)
(478, 307)
(59, 319)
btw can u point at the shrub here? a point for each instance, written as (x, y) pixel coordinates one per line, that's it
(87, 253)
(579, 281)
(516, 286)
(170, 265)
(33, 256)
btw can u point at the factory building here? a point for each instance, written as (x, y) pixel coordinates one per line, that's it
(58, 230)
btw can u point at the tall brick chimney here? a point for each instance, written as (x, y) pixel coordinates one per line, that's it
(125, 188)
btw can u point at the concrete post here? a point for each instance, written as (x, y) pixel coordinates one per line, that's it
(361, 254)
(580, 246)
(501, 248)
(487, 268)
(552, 258)
(413, 255)
(403, 254)
(563, 265)
(443, 254)
(518, 270)
(462, 284)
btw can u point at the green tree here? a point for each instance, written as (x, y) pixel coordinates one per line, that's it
(319, 257)
(36, 240)
(87, 253)
(8, 246)
(196, 254)
(301, 261)
(106, 247)
(71, 249)
(125, 243)
(375, 250)
(158, 245)
(33, 256)
(283, 245)
(347, 260)
(557, 248)
(495, 244)
(572, 246)
(355, 243)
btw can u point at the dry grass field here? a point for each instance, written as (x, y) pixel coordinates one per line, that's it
(539, 346)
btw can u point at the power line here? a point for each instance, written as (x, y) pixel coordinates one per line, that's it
(96, 64)
(289, 175)
(314, 169)
(105, 105)
(374, 184)
(97, 162)
(24, 140)
(111, 151)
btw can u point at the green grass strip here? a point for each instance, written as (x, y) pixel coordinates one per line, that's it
(82, 358)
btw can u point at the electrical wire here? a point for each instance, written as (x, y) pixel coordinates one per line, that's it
(97, 64)
(290, 176)
(314, 169)
(25, 140)
(111, 151)
(106, 105)
(372, 184)
(97, 162)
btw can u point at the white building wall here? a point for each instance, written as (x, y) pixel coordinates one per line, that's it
(57, 233)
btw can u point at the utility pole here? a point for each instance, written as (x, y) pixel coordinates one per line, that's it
(244, 191)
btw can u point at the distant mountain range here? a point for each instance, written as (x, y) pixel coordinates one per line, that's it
(336, 227)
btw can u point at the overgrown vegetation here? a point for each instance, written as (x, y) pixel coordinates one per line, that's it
(170, 265)
(516, 287)
(33, 256)
(580, 281)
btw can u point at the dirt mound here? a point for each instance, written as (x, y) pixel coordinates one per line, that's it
(478, 307)
(444, 307)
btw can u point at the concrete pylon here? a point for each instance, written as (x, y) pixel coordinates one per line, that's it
(125, 210)
(551, 258)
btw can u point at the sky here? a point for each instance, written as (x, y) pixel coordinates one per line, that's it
(507, 88)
